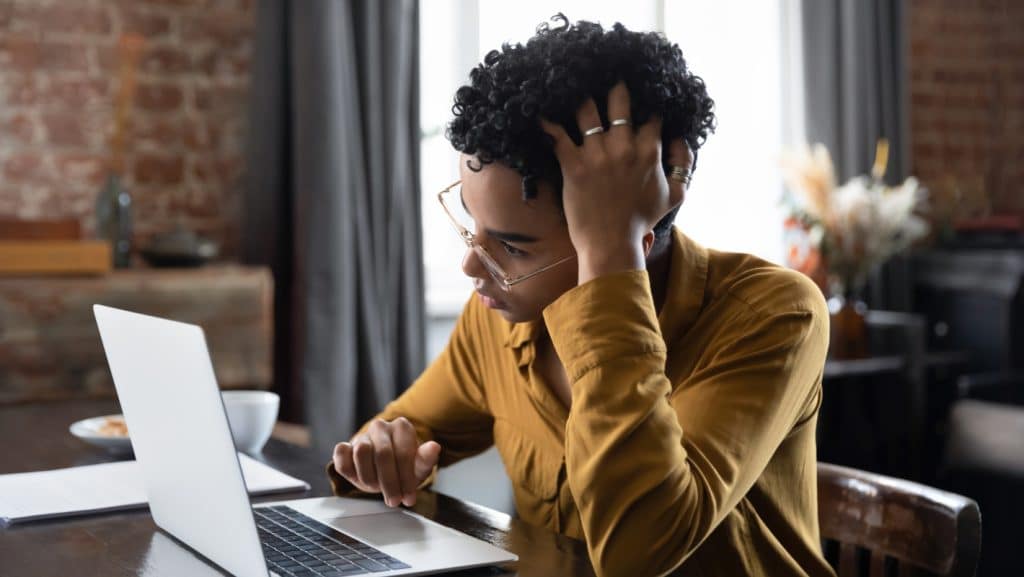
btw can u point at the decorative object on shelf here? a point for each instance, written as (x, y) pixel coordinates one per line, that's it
(30, 248)
(114, 219)
(114, 203)
(855, 228)
(180, 247)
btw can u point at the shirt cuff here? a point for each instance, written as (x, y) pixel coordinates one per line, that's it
(609, 317)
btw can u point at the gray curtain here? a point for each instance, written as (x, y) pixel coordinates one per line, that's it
(333, 204)
(855, 80)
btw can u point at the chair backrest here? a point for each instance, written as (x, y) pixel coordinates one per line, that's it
(877, 525)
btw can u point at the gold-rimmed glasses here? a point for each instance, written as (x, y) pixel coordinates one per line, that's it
(505, 280)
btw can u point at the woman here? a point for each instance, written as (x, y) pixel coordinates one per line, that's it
(650, 396)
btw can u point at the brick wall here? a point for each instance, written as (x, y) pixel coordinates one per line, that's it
(58, 81)
(967, 101)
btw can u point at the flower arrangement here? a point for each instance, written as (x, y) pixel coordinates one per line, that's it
(855, 227)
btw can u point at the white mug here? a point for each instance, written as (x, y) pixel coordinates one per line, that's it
(251, 415)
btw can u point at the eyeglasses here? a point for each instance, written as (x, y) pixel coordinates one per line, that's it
(505, 280)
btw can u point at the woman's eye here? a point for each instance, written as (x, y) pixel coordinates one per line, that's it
(511, 250)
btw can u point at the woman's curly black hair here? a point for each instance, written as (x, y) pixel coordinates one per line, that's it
(496, 114)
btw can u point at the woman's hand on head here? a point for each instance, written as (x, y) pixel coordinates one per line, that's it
(388, 459)
(614, 188)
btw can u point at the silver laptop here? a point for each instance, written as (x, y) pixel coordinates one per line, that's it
(179, 432)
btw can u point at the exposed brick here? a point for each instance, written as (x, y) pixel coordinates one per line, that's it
(19, 53)
(77, 93)
(68, 17)
(19, 89)
(164, 60)
(219, 62)
(65, 129)
(221, 98)
(64, 56)
(59, 65)
(24, 166)
(148, 24)
(159, 169)
(20, 128)
(6, 14)
(86, 168)
(172, 3)
(158, 97)
(156, 133)
(221, 27)
(964, 57)
(201, 136)
(217, 169)
(197, 203)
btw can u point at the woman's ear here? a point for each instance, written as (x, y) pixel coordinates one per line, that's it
(648, 242)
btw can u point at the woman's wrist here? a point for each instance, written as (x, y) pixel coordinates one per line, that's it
(609, 259)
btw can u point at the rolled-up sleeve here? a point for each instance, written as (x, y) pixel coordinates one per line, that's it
(446, 403)
(654, 471)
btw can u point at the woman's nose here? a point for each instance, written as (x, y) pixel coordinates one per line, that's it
(471, 264)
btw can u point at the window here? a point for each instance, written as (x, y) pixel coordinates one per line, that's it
(734, 201)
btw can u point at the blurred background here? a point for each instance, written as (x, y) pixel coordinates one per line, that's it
(269, 169)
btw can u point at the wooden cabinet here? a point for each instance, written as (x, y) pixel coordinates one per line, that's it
(50, 348)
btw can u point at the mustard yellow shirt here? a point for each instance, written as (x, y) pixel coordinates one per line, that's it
(690, 443)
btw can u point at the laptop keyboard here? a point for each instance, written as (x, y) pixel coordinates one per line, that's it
(300, 546)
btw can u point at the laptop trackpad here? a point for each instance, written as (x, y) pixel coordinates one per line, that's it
(388, 528)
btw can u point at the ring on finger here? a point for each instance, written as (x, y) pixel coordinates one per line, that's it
(593, 131)
(620, 122)
(679, 174)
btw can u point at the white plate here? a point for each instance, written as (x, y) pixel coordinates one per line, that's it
(88, 431)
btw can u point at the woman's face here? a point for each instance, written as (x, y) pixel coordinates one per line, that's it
(521, 235)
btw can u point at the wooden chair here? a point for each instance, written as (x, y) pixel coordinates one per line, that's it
(877, 525)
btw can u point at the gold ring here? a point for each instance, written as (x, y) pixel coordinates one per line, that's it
(593, 131)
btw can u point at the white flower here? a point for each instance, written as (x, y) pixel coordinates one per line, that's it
(859, 225)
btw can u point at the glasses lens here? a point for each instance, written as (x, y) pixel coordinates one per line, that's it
(453, 201)
(492, 267)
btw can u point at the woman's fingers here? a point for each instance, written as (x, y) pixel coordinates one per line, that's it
(619, 141)
(618, 102)
(384, 459)
(648, 134)
(589, 121)
(387, 459)
(366, 469)
(403, 435)
(565, 148)
(343, 463)
(426, 459)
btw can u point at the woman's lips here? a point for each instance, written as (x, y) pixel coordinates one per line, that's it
(491, 302)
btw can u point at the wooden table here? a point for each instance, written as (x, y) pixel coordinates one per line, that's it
(35, 436)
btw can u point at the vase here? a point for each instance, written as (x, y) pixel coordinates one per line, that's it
(848, 328)
(114, 219)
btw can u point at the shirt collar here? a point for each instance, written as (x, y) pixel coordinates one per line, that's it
(687, 282)
(521, 333)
